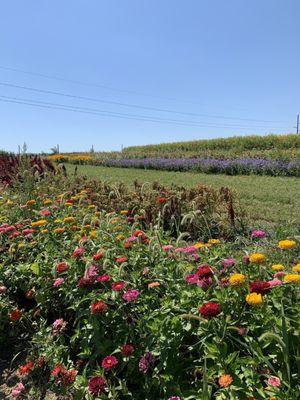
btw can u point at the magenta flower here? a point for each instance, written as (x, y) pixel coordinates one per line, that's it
(103, 278)
(58, 282)
(167, 247)
(109, 362)
(146, 362)
(97, 385)
(91, 273)
(192, 279)
(174, 398)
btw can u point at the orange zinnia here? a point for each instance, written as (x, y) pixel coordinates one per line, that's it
(153, 284)
(225, 381)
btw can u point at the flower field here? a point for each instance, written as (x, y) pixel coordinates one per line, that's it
(102, 297)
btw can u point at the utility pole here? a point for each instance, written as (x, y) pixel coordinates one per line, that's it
(297, 126)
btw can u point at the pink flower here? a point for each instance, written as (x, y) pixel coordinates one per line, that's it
(168, 247)
(58, 282)
(109, 362)
(205, 283)
(3, 289)
(274, 381)
(28, 231)
(45, 213)
(195, 256)
(91, 273)
(258, 234)
(18, 389)
(228, 262)
(58, 326)
(279, 274)
(275, 282)
(79, 252)
(131, 239)
(131, 295)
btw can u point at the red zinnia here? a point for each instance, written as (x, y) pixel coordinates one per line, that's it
(61, 267)
(97, 385)
(210, 310)
(98, 256)
(15, 315)
(109, 362)
(103, 278)
(26, 369)
(98, 307)
(78, 252)
(161, 200)
(204, 271)
(260, 287)
(117, 286)
(127, 350)
(120, 260)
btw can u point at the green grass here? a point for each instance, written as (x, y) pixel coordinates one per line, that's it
(267, 200)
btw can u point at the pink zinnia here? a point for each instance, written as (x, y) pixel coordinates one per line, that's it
(109, 362)
(58, 326)
(228, 262)
(258, 234)
(192, 279)
(18, 389)
(275, 282)
(58, 282)
(131, 295)
(78, 252)
(279, 274)
(274, 381)
(127, 350)
(167, 247)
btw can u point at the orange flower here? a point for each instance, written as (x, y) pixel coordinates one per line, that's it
(225, 381)
(153, 284)
(15, 315)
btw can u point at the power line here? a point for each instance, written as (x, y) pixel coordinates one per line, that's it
(115, 102)
(106, 113)
(56, 93)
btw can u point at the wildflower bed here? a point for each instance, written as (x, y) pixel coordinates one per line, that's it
(92, 306)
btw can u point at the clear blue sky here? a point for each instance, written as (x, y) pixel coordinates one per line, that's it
(236, 59)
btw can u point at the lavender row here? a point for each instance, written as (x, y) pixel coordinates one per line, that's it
(242, 166)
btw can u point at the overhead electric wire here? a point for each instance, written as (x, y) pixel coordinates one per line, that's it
(127, 104)
(85, 110)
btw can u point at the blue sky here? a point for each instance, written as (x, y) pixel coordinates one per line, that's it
(226, 67)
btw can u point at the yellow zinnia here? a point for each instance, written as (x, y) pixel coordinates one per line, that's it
(30, 202)
(292, 278)
(254, 299)
(69, 220)
(257, 258)
(41, 222)
(277, 267)
(59, 230)
(236, 280)
(296, 268)
(214, 241)
(287, 244)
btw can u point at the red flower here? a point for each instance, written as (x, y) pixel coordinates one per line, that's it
(15, 315)
(127, 350)
(97, 385)
(26, 369)
(98, 307)
(120, 260)
(260, 287)
(117, 286)
(29, 294)
(61, 374)
(61, 267)
(161, 200)
(210, 309)
(98, 256)
(204, 271)
(109, 362)
(103, 278)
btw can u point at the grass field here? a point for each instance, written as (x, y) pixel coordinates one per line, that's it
(268, 200)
